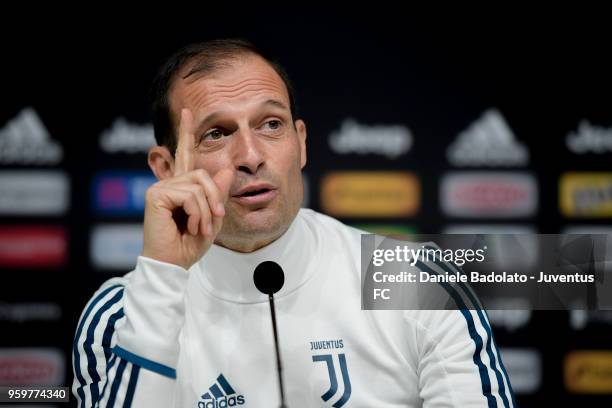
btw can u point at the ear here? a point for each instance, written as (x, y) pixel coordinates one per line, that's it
(301, 132)
(161, 162)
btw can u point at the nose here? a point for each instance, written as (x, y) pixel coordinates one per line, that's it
(248, 154)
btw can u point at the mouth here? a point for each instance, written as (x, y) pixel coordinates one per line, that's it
(255, 194)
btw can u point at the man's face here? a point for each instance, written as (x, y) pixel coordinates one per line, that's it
(242, 120)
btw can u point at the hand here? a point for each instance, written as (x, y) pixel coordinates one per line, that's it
(184, 213)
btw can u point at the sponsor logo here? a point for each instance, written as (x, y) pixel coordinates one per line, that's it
(126, 137)
(34, 193)
(370, 194)
(524, 367)
(116, 246)
(389, 141)
(333, 375)
(121, 193)
(600, 252)
(221, 395)
(580, 318)
(31, 366)
(589, 139)
(33, 246)
(509, 313)
(507, 318)
(588, 372)
(585, 194)
(488, 142)
(588, 229)
(25, 140)
(24, 312)
(491, 194)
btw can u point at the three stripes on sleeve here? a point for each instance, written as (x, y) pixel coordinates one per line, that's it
(101, 379)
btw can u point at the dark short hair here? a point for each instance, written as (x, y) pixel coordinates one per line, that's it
(206, 57)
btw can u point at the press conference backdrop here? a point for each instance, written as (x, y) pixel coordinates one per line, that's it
(448, 127)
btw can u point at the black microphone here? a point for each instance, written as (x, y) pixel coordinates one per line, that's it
(269, 278)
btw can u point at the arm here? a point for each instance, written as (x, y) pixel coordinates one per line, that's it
(126, 345)
(129, 356)
(459, 363)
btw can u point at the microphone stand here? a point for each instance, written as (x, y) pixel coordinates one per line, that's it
(269, 278)
(278, 359)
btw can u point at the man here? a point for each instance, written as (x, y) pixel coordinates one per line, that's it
(188, 328)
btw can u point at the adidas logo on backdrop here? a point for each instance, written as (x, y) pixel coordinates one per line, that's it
(488, 141)
(25, 140)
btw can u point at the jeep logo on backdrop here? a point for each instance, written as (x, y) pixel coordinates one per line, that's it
(390, 141)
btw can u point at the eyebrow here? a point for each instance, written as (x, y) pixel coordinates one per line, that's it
(215, 115)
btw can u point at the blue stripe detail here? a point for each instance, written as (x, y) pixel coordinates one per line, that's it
(225, 385)
(145, 363)
(129, 396)
(116, 384)
(333, 387)
(77, 337)
(485, 324)
(109, 367)
(87, 345)
(216, 391)
(347, 383)
(482, 369)
(108, 333)
(501, 364)
(206, 396)
(483, 320)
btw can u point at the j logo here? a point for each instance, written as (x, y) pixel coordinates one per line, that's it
(333, 379)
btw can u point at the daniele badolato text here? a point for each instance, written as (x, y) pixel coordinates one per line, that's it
(414, 256)
(479, 277)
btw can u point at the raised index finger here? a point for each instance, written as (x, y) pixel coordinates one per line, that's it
(184, 156)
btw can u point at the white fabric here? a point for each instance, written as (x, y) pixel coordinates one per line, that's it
(212, 321)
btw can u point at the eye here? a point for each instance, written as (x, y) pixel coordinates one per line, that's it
(214, 134)
(273, 124)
